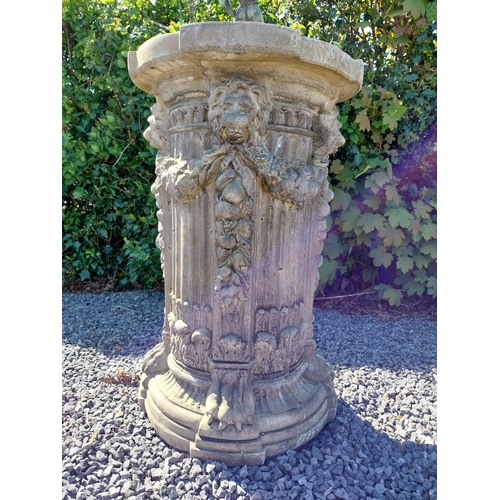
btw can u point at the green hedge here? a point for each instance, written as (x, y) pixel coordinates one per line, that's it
(382, 229)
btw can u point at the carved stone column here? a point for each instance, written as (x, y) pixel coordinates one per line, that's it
(244, 123)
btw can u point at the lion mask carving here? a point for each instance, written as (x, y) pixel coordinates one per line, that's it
(238, 112)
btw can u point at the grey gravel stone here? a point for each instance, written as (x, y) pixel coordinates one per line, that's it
(317, 453)
(381, 444)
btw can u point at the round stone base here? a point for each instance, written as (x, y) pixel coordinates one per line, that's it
(289, 411)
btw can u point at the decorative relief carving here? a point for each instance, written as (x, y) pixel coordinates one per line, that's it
(290, 117)
(155, 361)
(230, 399)
(157, 132)
(198, 349)
(235, 186)
(189, 347)
(265, 344)
(188, 114)
(327, 129)
(231, 348)
(238, 113)
(279, 347)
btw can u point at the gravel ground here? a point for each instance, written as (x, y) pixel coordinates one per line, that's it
(381, 445)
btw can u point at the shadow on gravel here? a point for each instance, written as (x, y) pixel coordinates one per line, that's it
(392, 467)
(354, 342)
(349, 459)
(115, 324)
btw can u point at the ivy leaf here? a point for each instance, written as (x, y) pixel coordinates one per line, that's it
(84, 275)
(405, 264)
(336, 167)
(372, 201)
(395, 13)
(389, 138)
(366, 100)
(393, 295)
(391, 194)
(401, 40)
(391, 236)
(371, 185)
(376, 180)
(421, 261)
(370, 221)
(332, 247)
(380, 177)
(350, 218)
(414, 287)
(403, 251)
(357, 103)
(366, 91)
(390, 121)
(430, 248)
(363, 120)
(392, 112)
(376, 135)
(362, 238)
(78, 192)
(345, 173)
(429, 231)
(328, 271)
(421, 209)
(381, 257)
(329, 222)
(420, 276)
(399, 216)
(416, 7)
(341, 199)
(347, 185)
(415, 227)
(432, 286)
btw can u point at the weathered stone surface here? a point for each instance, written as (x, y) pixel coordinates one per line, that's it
(244, 122)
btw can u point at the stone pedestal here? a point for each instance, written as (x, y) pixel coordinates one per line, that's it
(244, 122)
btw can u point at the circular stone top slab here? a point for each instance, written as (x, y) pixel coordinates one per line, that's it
(239, 43)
